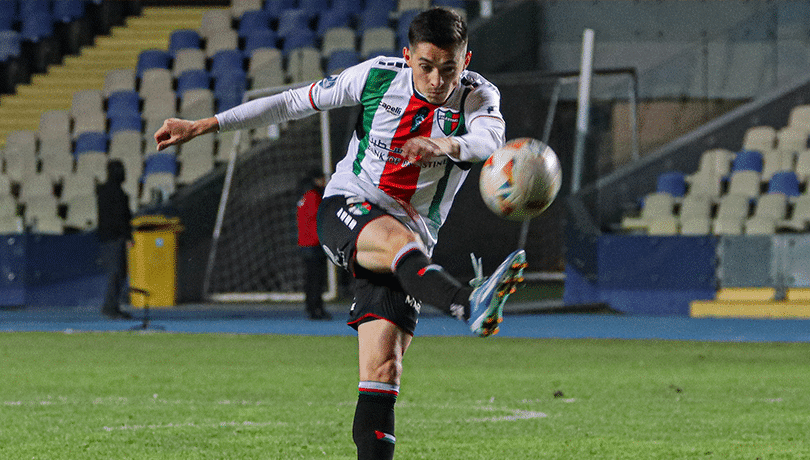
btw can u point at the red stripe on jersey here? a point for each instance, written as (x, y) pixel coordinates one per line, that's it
(311, 99)
(398, 180)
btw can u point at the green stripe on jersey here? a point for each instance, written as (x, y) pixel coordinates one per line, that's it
(378, 82)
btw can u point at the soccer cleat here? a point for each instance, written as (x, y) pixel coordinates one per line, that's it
(489, 295)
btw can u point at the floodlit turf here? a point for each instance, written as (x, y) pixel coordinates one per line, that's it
(178, 396)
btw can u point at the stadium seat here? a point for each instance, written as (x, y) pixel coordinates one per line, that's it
(77, 185)
(181, 39)
(800, 117)
(160, 108)
(215, 20)
(252, 21)
(673, 182)
(238, 8)
(87, 102)
(56, 165)
(695, 213)
(8, 15)
(412, 5)
(221, 40)
(351, 7)
(260, 39)
(119, 80)
(160, 163)
(5, 190)
(265, 68)
(313, 7)
(196, 104)
(229, 88)
(376, 14)
(188, 59)
(193, 79)
(341, 60)
(126, 122)
(41, 215)
(792, 138)
(333, 18)
(304, 64)
(82, 212)
(125, 144)
(784, 182)
(292, 21)
(21, 142)
(338, 39)
(403, 24)
(157, 185)
(731, 214)
(155, 81)
(776, 160)
(8, 206)
(762, 138)
(771, 208)
(802, 168)
(153, 59)
(303, 38)
(799, 220)
(123, 103)
(19, 166)
(747, 160)
(54, 123)
(745, 183)
(93, 164)
(13, 66)
(35, 186)
(654, 206)
(90, 141)
(227, 61)
(375, 40)
(194, 166)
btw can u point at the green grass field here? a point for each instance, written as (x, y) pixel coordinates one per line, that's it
(176, 396)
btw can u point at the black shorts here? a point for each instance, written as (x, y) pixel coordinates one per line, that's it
(376, 295)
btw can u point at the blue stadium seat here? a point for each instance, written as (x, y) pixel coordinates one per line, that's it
(8, 15)
(123, 103)
(300, 39)
(274, 8)
(229, 89)
(37, 26)
(68, 10)
(91, 141)
(252, 21)
(193, 79)
(341, 60)
(160, 163)
(449, 3)
(673, 183)
(351, 7)
(292, 21)
(373, 17)
(747, 160)
(403, 24)
(333, 17)
(9, 44)
(184, 39)
(260, 39)
(153, 59)
(125, 122)
(313, 7)
(227, 61)
(785, 182)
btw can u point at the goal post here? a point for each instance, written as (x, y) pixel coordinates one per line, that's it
(254, 256)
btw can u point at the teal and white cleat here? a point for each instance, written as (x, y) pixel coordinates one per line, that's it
(489, 295)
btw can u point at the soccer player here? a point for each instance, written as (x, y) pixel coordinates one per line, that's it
(425, 119)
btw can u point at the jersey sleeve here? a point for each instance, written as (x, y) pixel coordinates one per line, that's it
(335, 91)
(486, 129)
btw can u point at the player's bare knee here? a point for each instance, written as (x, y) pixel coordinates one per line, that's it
(389, 371)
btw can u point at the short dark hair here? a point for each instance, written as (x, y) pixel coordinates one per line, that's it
(438, 26)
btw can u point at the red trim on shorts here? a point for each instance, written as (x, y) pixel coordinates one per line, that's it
(372, 317)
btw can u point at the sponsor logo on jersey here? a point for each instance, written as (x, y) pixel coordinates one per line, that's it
(448, 120)
(396, 111)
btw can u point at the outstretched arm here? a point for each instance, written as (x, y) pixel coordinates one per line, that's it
(176, 131)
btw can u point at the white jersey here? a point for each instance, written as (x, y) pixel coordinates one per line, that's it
(420, 195)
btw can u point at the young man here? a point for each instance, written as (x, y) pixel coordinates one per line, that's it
(424, 120)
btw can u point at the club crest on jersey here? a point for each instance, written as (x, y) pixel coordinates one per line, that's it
(448, 120)
(358, 207)
(328, 82)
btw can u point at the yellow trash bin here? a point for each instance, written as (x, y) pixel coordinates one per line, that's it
(152, 260)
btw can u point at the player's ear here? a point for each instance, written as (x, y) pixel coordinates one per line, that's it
(467, 58)
(406, 53)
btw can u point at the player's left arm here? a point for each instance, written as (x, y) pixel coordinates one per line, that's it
(485, 132)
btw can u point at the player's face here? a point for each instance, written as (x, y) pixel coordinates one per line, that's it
(436, 71)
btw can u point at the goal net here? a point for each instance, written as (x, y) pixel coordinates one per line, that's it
(254, 252)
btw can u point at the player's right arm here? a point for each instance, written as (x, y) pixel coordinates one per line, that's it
(176, 131)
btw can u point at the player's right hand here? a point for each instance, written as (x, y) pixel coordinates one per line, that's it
(174, 131)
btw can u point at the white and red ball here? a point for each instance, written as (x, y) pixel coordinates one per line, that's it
(521, 179)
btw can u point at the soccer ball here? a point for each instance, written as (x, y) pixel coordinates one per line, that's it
(520, 180)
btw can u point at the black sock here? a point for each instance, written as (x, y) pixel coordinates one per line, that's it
(373, 427)
(429, 283)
